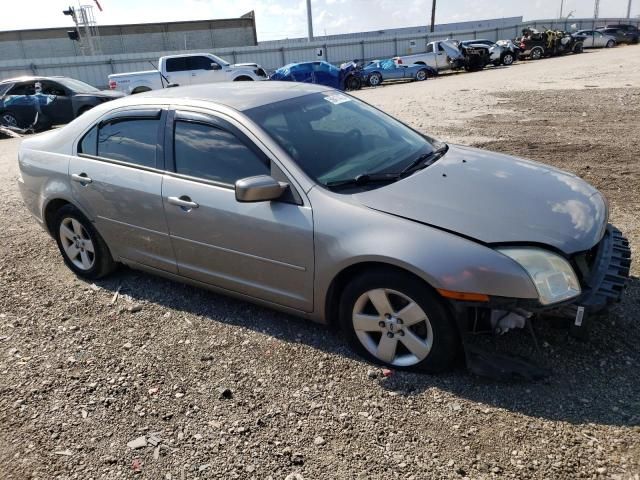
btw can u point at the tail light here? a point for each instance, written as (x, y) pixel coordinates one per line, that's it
(113, 84)
(399, 61)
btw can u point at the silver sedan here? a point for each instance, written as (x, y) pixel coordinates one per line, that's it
(596, 39)
(307, 200)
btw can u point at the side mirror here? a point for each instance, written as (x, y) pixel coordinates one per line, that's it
(215, 66)
(261, 188)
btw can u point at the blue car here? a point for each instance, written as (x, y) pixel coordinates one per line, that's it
(379, 71)
(347, 77)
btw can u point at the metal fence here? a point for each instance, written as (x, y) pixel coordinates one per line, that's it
(95, 69)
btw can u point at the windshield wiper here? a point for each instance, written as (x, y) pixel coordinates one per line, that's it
(419, 163)
(424, 160)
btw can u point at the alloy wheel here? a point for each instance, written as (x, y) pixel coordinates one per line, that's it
(77, 244)
(375, 80)
(9, 120)
(508, 59)
(392, 327)
(421, 75)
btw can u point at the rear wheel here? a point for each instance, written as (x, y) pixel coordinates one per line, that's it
(82, 248)
(536, 53)
(610, 44)
(375, 79)
(421, 75)
(392, 318)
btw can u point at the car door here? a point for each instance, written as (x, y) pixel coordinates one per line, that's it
(21, 102)
(263, 249)
(442, 61)
(178, 70)
(59, 109)
(206, 70)
(116, 179)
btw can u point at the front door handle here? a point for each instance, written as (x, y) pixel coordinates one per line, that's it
(81, 178)
(184, 201)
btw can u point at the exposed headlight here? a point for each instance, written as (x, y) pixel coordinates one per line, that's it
(552, 275)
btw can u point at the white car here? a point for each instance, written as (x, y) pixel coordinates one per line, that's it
(188, 69)
(596, 39)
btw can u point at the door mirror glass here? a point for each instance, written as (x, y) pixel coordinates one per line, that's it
(215, 66)
(261, 188)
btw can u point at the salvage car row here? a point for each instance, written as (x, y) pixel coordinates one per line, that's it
(37, 103)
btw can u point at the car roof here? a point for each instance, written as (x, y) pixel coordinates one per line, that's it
(29, 78)
(237, 95)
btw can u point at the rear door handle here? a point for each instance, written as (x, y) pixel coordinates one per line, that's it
(184, 201)
(81, 178)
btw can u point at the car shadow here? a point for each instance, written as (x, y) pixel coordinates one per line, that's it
(593, 381)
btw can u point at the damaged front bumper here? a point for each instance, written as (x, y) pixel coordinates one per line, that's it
(602, 286)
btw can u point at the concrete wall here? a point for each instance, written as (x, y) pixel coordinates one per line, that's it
(95, 69)
(122, 39)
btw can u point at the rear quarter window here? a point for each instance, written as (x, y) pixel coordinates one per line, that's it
(130, 140)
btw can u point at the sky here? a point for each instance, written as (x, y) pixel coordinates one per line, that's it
(277, 19)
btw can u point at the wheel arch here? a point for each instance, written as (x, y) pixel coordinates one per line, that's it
(243, 78)
(344, 276)
(53, 205)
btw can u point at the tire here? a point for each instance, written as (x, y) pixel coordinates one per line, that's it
(422, 75)
(427, 328)
(610, 44)
(75, 233)
(8, 119)
(353, 83)
(578, 48)
(507, 59)
(375, 79)
(536, 53)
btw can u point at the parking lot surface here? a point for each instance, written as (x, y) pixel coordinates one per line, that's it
(204, 386)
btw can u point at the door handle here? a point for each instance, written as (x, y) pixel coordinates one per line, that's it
(184, 201)
(81, 178)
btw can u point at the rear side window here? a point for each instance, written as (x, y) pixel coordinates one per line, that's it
(207, 152)
(131, 140)
(179, 64)
(89, 143)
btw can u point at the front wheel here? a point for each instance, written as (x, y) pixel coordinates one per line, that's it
(353, 83)
(610, 44)
(82, 248)
(9, 120)
(394, 319)
(375, 79)
(507, 59)
(579, 48)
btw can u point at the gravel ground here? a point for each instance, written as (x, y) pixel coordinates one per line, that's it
(208, 387)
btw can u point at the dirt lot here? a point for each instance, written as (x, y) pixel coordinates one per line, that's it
(230, 390)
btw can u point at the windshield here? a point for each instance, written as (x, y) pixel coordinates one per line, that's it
(76, 85)
(334, 137)
(222, 61)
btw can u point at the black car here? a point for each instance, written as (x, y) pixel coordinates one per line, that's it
(622, 33)
(56, 100)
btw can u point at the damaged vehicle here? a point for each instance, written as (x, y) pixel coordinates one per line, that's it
(348, 77)
(55, 100)
(449, 55)
(378, 71)
(550, 43)
(504, 54)
(355, 219)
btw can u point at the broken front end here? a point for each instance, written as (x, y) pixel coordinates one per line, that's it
(602, 274)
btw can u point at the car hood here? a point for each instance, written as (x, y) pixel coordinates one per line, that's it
(495, 198)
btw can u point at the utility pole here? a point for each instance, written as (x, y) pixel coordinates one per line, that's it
(433, 15)
(561, 8)
(596, 9)
(309, 21)
(629, 9)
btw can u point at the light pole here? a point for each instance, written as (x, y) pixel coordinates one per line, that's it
(629, 9)
(596, 9)
(309, 21)
(561, 8)
(433, 15)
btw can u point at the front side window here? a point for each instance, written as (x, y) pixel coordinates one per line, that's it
(25, 88)
(52, 88)
(334, 137)
(207, 152)
(130, 140)
(200, 63)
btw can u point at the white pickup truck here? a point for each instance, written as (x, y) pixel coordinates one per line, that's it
(449, 55)
(188, 69)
